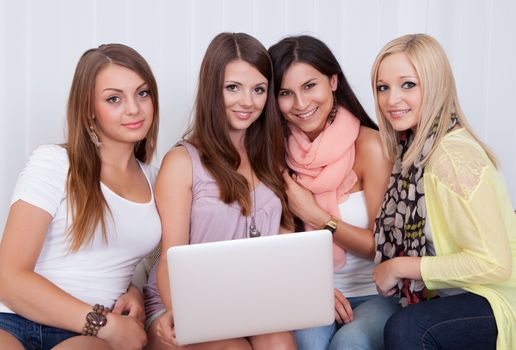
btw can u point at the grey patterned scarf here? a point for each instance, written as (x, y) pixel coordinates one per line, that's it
(399, 226)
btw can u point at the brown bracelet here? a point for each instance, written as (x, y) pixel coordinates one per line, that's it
(95, 319)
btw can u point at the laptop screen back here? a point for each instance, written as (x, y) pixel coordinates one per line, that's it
(244, 287)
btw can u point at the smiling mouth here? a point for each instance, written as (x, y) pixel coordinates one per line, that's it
(307, 114)
(243, 115)
(399, 113)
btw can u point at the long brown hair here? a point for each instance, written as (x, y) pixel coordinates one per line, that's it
(210, 130)
(86, 204)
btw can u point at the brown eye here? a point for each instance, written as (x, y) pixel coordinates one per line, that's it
(113, 99)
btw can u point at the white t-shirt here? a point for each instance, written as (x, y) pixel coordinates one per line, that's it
(355, 278)
(98, 272)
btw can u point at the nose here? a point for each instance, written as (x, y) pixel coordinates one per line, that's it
(132, 106)
(394, 96)
(300, 102)
(246, 99)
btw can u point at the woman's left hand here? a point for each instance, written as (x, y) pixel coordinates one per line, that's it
(131, 304)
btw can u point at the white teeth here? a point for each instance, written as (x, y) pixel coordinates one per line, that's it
(398, 113)
(244, 114)
(308, 114)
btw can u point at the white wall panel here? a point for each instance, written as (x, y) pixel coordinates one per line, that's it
(499, 125)
(4, 166)
(42, 40)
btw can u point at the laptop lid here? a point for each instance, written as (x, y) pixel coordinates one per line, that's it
(244, 287)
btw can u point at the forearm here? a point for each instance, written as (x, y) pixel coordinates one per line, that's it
(34, 297)
(358, 240)
(163, 283)
(462, 269)
(408, 267)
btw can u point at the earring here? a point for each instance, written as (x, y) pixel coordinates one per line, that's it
(333, 112)
(94, 137)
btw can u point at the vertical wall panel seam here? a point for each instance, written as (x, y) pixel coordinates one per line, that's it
(485, 115)
(28, 76)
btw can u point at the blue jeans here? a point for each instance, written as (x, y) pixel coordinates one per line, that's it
(463, 321)
(32, 335)
(364, 332)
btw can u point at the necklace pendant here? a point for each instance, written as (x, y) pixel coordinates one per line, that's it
(253, 232)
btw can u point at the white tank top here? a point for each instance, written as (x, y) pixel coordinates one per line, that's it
(355, 278)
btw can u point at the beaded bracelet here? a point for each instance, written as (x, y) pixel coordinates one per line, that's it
(95, 319)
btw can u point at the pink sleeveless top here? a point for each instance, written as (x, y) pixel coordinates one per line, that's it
(213, 220)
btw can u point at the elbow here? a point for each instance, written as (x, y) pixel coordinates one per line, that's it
(505, 270)
(4, 283)
(505, 264)
(501, 270)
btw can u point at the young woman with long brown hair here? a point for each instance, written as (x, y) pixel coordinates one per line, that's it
(223, 181)
(83, 214)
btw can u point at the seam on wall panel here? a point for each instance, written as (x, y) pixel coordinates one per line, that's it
(28, 75)
(485, 124)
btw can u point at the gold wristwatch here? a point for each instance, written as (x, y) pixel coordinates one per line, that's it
(331, 225)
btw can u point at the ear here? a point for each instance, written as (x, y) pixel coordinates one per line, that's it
(334, 83)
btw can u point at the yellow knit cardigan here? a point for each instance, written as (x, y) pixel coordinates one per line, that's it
(473, 228)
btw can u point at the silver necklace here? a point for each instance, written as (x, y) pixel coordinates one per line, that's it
(253, 231)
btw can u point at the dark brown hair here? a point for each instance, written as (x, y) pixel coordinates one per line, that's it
(314, 52)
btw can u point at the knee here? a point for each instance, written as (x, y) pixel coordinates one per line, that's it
(354, 337)
(279, 341)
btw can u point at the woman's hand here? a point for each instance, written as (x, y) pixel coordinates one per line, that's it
(131, 304)
(388, 274)
(165, 328)
(302, 203)
(343, 310)
(385, 278)
(123, 332)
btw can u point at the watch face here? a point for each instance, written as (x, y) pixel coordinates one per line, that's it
(96, 319)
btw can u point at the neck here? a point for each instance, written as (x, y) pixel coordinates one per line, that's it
(120, 156)
(237, 138)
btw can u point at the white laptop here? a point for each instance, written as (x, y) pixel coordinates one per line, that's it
(245, 287)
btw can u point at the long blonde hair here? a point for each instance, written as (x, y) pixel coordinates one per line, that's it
(439, 93)
(86, 204)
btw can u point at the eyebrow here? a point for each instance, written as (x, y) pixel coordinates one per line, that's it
(402, 77)
(118, 90)
(239, 83)
(306, 82)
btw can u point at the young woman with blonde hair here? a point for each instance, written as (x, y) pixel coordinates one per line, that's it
(83, 214)
(446, 230)
(223, 180)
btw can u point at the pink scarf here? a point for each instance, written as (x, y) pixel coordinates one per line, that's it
(325, 166)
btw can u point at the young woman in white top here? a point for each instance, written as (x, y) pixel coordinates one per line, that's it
(83, 214)
(339, 177)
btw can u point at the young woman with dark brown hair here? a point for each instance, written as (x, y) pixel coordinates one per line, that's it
(83, 214)
(339, 175)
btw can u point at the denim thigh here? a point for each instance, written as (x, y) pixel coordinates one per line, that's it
(463, 321)
(369, 310)
(366, 330)
(32, 335)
